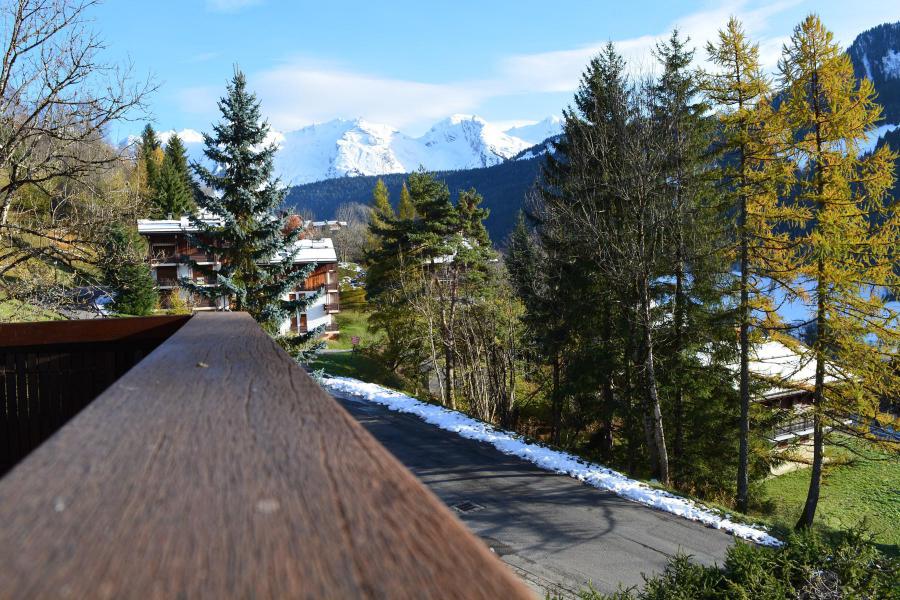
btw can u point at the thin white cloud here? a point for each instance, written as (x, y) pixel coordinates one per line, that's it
(188, 136)
(297, 94)
(300, 91)
(228, 6)
(561, 70)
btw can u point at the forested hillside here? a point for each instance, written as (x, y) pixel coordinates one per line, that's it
(875, 54)
(503, 186)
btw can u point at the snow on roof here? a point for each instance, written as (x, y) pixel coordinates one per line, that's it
(306, 251)
(788, 370)
(176, 225)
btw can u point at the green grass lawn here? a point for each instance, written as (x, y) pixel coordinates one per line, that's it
(351, 323)
(359, 366)
(854, 490)
(353, 320)
(17, 311)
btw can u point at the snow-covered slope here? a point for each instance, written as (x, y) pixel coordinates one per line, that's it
(341, 148)
(537, 132)
(335, 149)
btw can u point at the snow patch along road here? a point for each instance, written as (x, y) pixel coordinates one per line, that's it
(549, 459)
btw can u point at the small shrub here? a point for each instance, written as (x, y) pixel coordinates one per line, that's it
(808, 566)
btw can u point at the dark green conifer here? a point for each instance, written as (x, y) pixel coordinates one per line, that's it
(254, 246)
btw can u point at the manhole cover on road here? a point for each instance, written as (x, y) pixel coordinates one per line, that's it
(466, 507)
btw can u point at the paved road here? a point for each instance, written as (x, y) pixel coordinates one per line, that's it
(555, 532)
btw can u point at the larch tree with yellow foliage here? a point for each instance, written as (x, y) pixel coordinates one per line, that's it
(749, 174)
(405, 208)
(848, 243)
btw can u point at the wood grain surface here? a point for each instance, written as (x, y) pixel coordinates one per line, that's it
(216, 468)
(89, 330)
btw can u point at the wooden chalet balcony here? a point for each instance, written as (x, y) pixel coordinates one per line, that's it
(204, 463)
(172, 257)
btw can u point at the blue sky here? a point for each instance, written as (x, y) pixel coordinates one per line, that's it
(409, 64)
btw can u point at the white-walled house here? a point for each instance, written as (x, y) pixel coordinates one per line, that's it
(172, 256)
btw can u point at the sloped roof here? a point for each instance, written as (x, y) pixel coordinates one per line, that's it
(788, 370)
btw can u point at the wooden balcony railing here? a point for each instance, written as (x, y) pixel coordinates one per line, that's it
(800, 425)
(177, 257)
(50, 371)
(217, 468)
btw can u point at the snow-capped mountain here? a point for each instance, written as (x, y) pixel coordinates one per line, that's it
(338, 148)
(538, 132)
(876, 54)
(342, 147)
(347, 148)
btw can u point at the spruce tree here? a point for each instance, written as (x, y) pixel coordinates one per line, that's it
(149, 159)
(253, 243)
(749, 171)
(423, 269)
(125, 272)
(176, 154)
(680, 114)
(173, 189)
(849, 241)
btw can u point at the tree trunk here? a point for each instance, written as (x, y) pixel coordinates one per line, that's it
(556, 402)
(449, 376)
(678, 404)
(743, 481)
(815, 476)
(653, 411)
(4, 214)
(743, 478)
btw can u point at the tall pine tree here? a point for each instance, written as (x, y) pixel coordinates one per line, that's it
(253, 243)
(681, 115)
(174, 195)
(381, 214)
(149, 163)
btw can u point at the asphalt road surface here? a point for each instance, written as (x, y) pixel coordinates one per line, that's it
(554, 531)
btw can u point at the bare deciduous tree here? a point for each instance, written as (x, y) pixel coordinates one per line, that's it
(351, 239)
(57, 101)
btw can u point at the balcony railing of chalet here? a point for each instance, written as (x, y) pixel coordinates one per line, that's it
(801, 425)
(213, 468)
(177, 257)
(332, 305)
(314, 284)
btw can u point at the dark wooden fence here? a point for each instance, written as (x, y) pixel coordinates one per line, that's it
(50, 371)
(217, 468)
